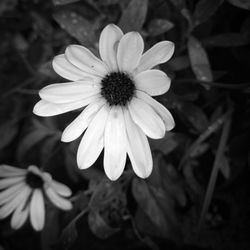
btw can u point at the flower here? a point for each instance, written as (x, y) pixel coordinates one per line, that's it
(23, 191)
(117, 91)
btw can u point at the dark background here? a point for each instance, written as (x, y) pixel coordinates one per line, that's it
(209, 99)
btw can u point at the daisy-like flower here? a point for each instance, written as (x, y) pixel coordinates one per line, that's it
(22, 193)
(117, 91)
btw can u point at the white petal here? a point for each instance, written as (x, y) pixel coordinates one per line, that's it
(146, 118)
(7, 182)
(77, 127)
(9, 171)
(85, 60)
(159, 108)
(12, 204)
(129, 51)
(115, 144)
(10, 193)
(69, 91)
(91, 144)
(60, 188)
(159, 53)
(37, 210)
(154, 82)
(19, 217)
(35, 170)
(109, 39)
(57, 200)
(67, 70)
(138, 148)
(44, 108)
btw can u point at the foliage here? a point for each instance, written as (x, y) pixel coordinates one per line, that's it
(181, 205)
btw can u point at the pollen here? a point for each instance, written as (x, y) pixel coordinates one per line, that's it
(117, 88)
(34, 180)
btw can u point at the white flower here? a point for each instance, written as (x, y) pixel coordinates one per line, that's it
(117, 91)
(22, 193)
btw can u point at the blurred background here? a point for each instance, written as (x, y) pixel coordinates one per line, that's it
(209, 99)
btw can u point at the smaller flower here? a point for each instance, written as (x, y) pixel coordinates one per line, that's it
(22, 192)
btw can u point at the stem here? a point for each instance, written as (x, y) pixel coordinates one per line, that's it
(210, 130)
(216, 167)
(216, 84)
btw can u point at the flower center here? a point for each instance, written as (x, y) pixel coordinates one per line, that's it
(33, 180)
(117, 88)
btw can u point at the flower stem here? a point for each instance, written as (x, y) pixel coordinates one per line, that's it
(216, 167)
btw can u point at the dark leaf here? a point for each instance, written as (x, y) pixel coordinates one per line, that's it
(109, 200)
(30, 140)
(204, 9)
(159, 26)
(104, 192)
(78, 27)
(227, 40)
(224, 167)
(69, 234)
(166, 185)
(49, 147)
(62, 2)
(133, 17)
(179, 63)
(38, 132)
(47, 70)
(179, 4)
(7, 5)
(167, 144)
(199, 60)
(99, 227)
(244, 4)
(191, 180)
(52, 228)
(149, 205)
(8, 131)
(199, 150)
(193, 116)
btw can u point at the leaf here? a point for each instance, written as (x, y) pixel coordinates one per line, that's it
(69, 234)
(36, 134)
(204, 9)
(199, 150)
(167, 186)
(227, 40)
(243, 4)
(109, 200)
(167, 144)
(99, 227)
(193, 116)
(179, 63)
(7, 5)
(225, 167)
(30, 140)
(104, 192)
(62, 2)
(77, 26)
(50, 233)
(47, 70)
(149, 205)
(159, 26)
(8, 131)
(199, 60)
(133, 17)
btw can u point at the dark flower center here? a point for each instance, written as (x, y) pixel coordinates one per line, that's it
(33, 180)
(117, 88)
